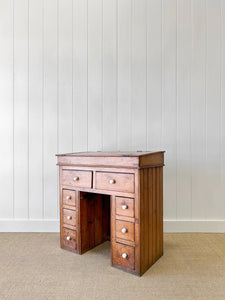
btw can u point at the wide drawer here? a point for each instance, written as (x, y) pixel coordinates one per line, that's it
(125, 230)
(69, 217)
(69, 198)
(69, 239)
(124, 256)
(75, 178)
(121, 182)
(125, 206)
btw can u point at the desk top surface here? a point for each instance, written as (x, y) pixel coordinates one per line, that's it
(135, 159)
(112, 153)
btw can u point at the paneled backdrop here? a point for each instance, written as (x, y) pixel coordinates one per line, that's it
(112, 75)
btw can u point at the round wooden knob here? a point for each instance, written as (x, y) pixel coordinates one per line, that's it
(124, 206)
(69, 217)
(124, 255)
(76, 178)
(112, 181)
(68, 197)
(68, 238)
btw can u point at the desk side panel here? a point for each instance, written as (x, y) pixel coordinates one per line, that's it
(151, 216)
(152, 160)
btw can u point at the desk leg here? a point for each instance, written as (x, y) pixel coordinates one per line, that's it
(113, 226)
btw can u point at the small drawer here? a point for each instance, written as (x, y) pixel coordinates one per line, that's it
(69, 239)
(125, 230)
(125, 206)
(121, 182)
(69, 198)
(76, 178)
(124, 256)
(69, 217)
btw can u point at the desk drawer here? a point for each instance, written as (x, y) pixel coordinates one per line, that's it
(76, 178)
(69, 217)
(121, 182)
(69, 198)
(125, 207)
(125, 230)
(124, 256)
(69, 239)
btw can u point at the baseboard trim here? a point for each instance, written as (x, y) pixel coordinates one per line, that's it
(52, 225)
(214, 226)
(30, 225)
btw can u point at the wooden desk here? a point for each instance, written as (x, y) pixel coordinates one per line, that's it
(115, 196)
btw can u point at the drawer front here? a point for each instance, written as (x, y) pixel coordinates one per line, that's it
(124, 256)
(69, 198)
(69, 217)
(121, 182)
(69, 239)
(125, 230)
(76, 178)
(125, 206)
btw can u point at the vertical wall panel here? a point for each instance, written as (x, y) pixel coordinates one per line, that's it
(109, 75)
(198, 85)
(184, 43)
(154, 75)
(21, 109)
(50, 107)
(65, 87)
(169, 89)
(124, 74)
(80, 75)
(213, 107)
(35, 108)
(222, 180)
(139, 71)
(6, 108)
(95, 99)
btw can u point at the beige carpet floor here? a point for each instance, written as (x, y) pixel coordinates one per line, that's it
(33, 266)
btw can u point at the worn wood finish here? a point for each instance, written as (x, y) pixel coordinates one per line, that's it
(112, 229)
(75, 178)
(69, 218)
(106, 217)
(69, 239)
(113, 159)
(69, 198)
(125, 207)
(151, 214)
(127, 211)
(156, 159)
(83, 224)
(127, 262)
(120, 182)
(121, 226)
(61, 206)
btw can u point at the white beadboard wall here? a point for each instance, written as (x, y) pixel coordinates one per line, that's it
(78, 75)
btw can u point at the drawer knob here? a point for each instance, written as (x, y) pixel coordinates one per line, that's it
(76, 178)
(124, 255)
(124, 206)
(69, 217)
(68, 197)
(124, 230)
(68, 238)
(112, 181)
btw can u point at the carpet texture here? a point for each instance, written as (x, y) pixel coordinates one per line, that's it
(33, 266)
